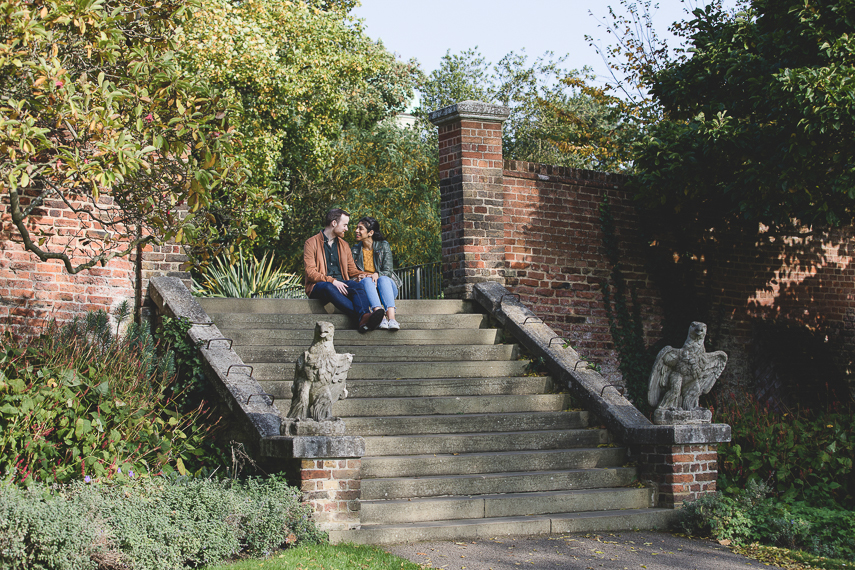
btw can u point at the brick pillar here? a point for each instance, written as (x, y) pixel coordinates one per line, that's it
(471, 195)
(680, 472)
(332, 488)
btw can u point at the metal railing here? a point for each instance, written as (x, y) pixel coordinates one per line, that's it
(421, 281)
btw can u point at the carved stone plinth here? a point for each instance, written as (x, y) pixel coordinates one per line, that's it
(333, 426)
(675, 417)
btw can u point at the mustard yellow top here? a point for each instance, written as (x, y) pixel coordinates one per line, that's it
(368, 260)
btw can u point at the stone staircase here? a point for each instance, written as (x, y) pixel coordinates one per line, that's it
(460, 443)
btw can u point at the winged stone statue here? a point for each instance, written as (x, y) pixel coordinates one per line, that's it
(319, 377)
(683, 374)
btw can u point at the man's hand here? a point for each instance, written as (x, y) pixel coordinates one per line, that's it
(341, 286)
(375, 277)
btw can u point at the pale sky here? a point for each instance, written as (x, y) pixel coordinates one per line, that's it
(425, 30)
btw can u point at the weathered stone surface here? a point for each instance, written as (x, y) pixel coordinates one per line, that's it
(309, 426)
(592, 390)
(683, 374)
(224, 368)
(319, 377)
(469, 110)
(312, 447)
(674, 417)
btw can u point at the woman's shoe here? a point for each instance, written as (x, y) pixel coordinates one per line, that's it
(393, 325)
(384, 324)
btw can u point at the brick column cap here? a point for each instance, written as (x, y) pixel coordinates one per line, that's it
(477, 110)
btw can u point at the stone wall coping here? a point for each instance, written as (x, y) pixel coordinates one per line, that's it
(586, 385)
(469, 110)
(258, 417)
(563, 174)
(313, 447)
(174, 299)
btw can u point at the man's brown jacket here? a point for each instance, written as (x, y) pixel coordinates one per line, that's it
(315, 261)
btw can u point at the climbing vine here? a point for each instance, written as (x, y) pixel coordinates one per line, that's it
(624, 318)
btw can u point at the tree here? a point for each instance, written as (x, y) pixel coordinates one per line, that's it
(758, 119)
(555, 116)
(297, 74)
(97, 115)
(387, 172)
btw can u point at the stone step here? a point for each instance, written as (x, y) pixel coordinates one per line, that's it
(495, 483)
(464, 423)
(483, 442)
(265, 371)
(344, 337)
(253, 354)
(421, 387)
(311, 306)
(256, 321)
(559, 523)
(445, 405)
(503, 505)
(491, 462)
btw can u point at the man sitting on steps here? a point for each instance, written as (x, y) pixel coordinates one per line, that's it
(330, 272)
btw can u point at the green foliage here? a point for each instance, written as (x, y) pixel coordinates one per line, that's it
(802, 455)
(555, 117)
(759, 117)
(97, 112)
(157, 523)
(245, 277)
(751, 516)
(625, 323)
(80, 402)
(387, 172)
(296, 75)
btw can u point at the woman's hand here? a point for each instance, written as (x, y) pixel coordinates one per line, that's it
(375, 277)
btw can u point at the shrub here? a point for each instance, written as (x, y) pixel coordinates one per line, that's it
(751, 516)
(155, 523)
(245, 277)
(80, 402)
(803, 455)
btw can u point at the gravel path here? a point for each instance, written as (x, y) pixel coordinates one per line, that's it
(628, 550)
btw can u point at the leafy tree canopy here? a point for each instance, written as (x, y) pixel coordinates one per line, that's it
(556, 116)
(297, 73)
(96, 114)
(386, 172)
(759, 117)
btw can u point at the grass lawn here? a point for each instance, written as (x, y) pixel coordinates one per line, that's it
(325, 557)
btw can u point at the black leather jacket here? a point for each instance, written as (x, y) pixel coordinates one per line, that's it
(382, 259)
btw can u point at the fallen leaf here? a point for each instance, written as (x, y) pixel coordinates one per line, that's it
(724, 542)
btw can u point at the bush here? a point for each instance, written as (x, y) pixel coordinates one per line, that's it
(751, 516)
(80, 402)
(155, 523)
(802, 455)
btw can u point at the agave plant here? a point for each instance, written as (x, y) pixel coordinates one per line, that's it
(247, 276)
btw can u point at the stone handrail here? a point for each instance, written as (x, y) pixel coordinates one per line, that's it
(258, 419)
(586, 385)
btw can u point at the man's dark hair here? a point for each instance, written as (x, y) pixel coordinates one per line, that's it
(334, 215)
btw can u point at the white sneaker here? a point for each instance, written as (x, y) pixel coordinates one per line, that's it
(384, 324)
(393, 325)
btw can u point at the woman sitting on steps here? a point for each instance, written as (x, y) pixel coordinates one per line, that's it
(373, 255)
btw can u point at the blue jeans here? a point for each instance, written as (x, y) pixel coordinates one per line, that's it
(382, 294)
(354, 304)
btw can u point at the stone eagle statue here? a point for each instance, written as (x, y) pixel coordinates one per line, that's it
(684, 373)
(319, 377)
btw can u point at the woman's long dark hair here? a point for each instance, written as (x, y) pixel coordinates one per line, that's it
(372, 225)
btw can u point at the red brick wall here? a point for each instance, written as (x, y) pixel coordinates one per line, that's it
(32, 291)
(555, 257)
(470, 170)
(680, 472)
(807, 283)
